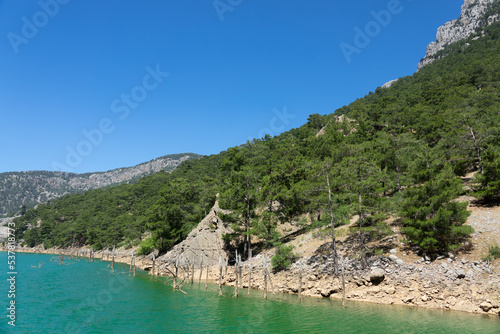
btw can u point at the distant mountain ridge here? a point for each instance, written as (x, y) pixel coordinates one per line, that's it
(35, 187)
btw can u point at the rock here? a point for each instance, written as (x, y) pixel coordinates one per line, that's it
(377, 275)
(312, 278)
(424, 298)
(470, 19)
(400, 262)
(328, 291)
(407, 300)
(389, 84)
(460, 274)
(390, 290)
(393, 251)
(393, 257)
(486, 306)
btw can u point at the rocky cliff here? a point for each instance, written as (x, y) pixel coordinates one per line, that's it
(475, 14)
(205, 241)
(34, 187)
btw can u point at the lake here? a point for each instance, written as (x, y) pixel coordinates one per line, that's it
(83, 297)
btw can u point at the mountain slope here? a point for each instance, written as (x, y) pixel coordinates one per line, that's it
(397, 152)
(34, 187)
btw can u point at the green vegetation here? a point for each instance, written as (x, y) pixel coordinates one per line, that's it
(283, 258)
(494, 251)
(396, 152)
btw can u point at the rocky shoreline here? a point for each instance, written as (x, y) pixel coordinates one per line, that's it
(446, 284)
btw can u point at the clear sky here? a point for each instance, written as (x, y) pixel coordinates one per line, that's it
(95, 85)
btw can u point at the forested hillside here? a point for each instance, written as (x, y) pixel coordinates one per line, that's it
(19, 190)
(397, 152)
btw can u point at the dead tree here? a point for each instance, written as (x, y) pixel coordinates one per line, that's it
(236, 276)
(250, 273)
(201, 269)
(265, 276)
(192, 272)
(343, 282)
(206, 281)
(220, 275)
(300, 281)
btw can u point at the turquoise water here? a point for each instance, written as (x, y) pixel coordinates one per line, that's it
(82, 297)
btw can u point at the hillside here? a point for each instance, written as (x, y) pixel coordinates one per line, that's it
(35, 187)
(395, 158)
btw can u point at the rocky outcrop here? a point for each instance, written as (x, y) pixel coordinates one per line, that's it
(205, 241)
(471, 18)
(34, 187)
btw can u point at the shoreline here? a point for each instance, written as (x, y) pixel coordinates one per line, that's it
(424, 285)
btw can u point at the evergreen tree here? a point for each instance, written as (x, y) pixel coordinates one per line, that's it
(488, 189)
(431, 219)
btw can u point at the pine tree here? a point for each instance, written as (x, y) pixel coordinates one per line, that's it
(488, 189)
(431, 219)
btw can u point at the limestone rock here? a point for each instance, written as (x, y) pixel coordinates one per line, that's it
(470, 19)
(205, 240)
(486, 306)
(377, 275)
(460, 274)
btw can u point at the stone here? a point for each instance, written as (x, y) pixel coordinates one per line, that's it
(393, 257)
(393, 251)
(377, 275)
(485, 306)
(470, 19)
(424, 298)
(460, 274)
(328, 291)
(407, 300)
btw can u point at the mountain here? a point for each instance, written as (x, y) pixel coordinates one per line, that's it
(35, 187)
(475, 14)
(393, 159)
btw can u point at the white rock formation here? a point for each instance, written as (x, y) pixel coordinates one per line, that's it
(470, 19)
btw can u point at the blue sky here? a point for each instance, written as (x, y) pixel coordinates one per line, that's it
(96, 85)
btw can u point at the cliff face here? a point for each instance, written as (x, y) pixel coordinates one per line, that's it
(471, 18)
(31, 188)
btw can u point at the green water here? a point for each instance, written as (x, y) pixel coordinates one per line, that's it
(82, 297)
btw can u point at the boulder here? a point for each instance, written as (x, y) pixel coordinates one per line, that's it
(460, 274)
(377, 275)
(329, 290)
(486, 306)
(393, 258)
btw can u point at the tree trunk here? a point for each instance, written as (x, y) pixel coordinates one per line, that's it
(236, 276)
(343, 283)
(192, 273)
(332, 223)
(220, 275)
(265, 276)
(300, 281)
(201, 269)
(206, 281)
(249, 271)
(478, 150)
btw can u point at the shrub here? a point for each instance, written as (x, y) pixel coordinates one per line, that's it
(283, 258)
(146, 247)
(494, 251)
